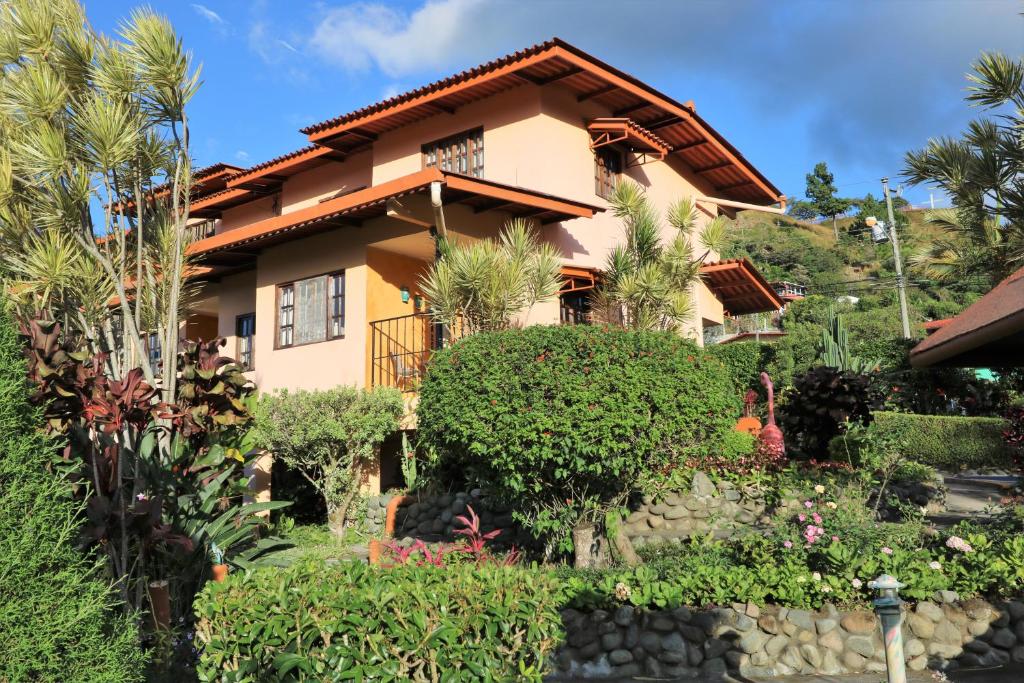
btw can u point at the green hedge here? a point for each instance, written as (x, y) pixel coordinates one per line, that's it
(350, 621)
(571, 416)
(58, 617)
(950, 442)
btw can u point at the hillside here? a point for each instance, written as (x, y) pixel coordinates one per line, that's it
(785, 248)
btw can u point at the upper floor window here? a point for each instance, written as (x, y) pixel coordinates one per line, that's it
(462, 153)
(311, 310)
(245, 332)
(607, 167)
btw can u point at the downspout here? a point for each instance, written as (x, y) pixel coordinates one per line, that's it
(438, 207)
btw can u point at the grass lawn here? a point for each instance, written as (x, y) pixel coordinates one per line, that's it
(316, 542)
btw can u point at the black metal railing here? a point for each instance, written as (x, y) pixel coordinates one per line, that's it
(400, 348)
(202, 230)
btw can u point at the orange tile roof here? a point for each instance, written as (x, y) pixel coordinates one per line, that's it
(677, 124)
(368, 203)
(740, 287)
(994, 319)
(629, 131)
(286, 164)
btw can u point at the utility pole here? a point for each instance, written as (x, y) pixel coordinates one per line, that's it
(901, 285)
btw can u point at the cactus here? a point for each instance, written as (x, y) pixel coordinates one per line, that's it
(834, 349)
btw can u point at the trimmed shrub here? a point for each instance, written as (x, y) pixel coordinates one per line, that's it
(351, 621)
(58, 619)
(949, 441)
(745, 361)
(564, 421)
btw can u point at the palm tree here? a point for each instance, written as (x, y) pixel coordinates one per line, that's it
(648, 285)
(982, 174)
(485, 284)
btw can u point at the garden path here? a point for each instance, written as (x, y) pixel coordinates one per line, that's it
(970, 496)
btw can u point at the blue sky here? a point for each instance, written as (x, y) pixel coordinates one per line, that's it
(790, 83)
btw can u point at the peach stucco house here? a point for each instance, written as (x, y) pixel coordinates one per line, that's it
(312, 259)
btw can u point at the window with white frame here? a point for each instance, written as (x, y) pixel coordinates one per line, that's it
(245, 334)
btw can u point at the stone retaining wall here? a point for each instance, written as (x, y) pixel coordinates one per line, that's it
(432, 518)
(774, 641)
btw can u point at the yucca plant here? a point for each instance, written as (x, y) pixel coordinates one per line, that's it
(648, 284)
(485, 284)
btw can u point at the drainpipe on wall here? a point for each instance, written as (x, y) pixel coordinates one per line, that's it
(438, 207)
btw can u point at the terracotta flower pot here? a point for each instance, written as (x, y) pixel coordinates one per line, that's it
(375, 549)
(160, 604)
(220, 572)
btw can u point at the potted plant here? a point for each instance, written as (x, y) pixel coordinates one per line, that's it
(220, 569)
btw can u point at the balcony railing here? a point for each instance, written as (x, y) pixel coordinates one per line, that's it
(202, 230)
(400, 348)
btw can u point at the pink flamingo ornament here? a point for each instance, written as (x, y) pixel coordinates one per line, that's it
(770, 434)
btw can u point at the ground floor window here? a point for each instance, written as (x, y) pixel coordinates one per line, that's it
(154, 352)
(245, 333)
(574, 308)
(311, 310)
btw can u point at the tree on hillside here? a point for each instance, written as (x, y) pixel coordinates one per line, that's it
(821, 191)
(870, 206)
(648, 285)
(981, 171)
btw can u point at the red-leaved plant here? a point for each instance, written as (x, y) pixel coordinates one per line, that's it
(473, 544)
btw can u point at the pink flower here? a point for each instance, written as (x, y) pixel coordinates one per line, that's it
(787, 544)
(887, 550)
(816, 517)
(808, 504)
(957, 543)
(856, 583)
(141, 496)
(802, 517)
(835, 538)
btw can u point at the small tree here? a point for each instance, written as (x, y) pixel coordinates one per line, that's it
(487, 283)
(329, 436)
(821, 191)
(647, 284)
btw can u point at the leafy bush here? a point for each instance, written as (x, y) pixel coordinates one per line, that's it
(824, 400)
(328, 436)
(353, 621)
(949, 441)
(58, 619)
(745, 361)
(565, 421)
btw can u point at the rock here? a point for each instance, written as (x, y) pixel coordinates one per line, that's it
(623, 616)
(832, 641)
(805, 637)
(651, 642)
(702, 485)
(447, 516)
(802, 619)
(978, 647)
(825, 625)
(789, 628)
(620, 656)
(948, 597)
(862, 645)
(662, 624)
(944, 650)
(628, 670)
(752, 610)
(1016, 610)
(977, 628)
(611, 641)
(875, 667)
(673, 642)
(677, 512)
(1018, 629)
(692, 633)
(744, 623)
(656, 522)
(752, 642)
(921, 625)
(660, 509)
(918, 663)
(978, 609)
(632, 637)
(1004, 638)
(930, 610)
(713, 668)
(946, 632)
(859, 623)
(792, 658)
(673, 658)
(811, 654)
(913, 648)
(853, 661)
(769, 624)
(1017, 654)
(777, 644)
(715, 647)
(695, 656)
(582, 636)
(653, 668)
(682, 614)
(995, 657)
(829, 664)
(735, 659)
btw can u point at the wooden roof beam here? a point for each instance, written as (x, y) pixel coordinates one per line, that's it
(663, 122)
(731, 186)
(545, 80)
(713, 167)
(596, 93)
(631, 108)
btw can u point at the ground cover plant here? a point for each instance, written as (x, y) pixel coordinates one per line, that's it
(565, 422)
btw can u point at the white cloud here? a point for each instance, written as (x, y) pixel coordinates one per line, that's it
(242, 155)
(362, 35)
(208, 14)
(270, 48)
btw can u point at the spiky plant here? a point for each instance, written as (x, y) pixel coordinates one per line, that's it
(981, 171)
(95, 177)
(648, 284)
(485, 284)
